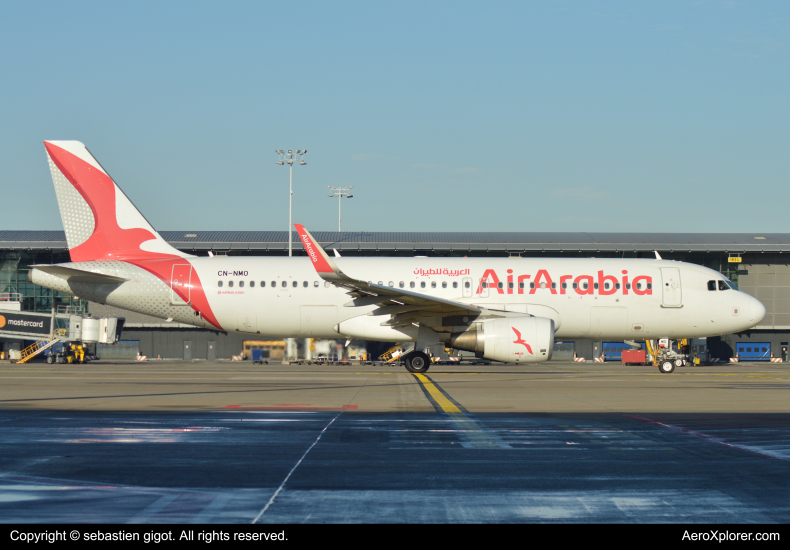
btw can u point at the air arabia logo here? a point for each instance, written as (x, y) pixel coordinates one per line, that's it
(520, 340)
(309, 247)
(602, 285)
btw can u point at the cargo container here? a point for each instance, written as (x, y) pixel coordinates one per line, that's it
(634, 357)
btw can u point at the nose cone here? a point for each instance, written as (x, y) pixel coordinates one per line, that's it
(756, 311)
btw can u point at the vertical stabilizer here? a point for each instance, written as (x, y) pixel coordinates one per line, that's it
(100, 221)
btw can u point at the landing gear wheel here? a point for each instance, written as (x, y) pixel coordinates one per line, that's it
(666, 367)
(417, 361)
(679, 362)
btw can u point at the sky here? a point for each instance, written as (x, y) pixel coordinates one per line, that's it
(669, 116)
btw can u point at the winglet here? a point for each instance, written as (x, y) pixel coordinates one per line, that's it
(325, 267)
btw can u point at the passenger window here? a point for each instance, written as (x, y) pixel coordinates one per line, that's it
(422, 284)
(484, 284)
(649, 286)
(711, 285)
(381, 282)
(433, 284)
(531, 285)
(219, 284)
(241, 284)
(595, 286)
(304, 284)
(585, 286)
(326, 284)
(400, 284)
(274, 284)
(564, 285)
(617, 286)
(263, 284)
(294, 284)
(455, 284)
(575, 285)
(252, 284)
(510, 285)
(521, 285)
(553, 285)
(411, 284)
(723, 286)
(639, 286)
(315, 284)
(230, 284)
(444, 284)
(391, 284)
(606, 285)
(628, 286)
(466, 284)
(500, 285)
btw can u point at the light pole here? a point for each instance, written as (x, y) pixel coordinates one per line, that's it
(289, 158)
(340, 192)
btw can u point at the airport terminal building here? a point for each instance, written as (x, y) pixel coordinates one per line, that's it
(757, 263)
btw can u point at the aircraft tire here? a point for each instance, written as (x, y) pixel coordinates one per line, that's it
(417, 362)
(678, 362)
(666, 367)
(50, 359)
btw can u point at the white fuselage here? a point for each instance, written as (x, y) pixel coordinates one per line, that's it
(285, 297)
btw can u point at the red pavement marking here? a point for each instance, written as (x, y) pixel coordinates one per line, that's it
(294, 407)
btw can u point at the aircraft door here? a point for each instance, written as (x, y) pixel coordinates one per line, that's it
(466, 287)
(670, 287)
(180, 284)
(211, 350)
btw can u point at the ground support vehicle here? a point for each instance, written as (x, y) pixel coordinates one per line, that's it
(68, 352)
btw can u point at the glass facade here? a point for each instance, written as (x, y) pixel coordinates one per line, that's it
(14, 267)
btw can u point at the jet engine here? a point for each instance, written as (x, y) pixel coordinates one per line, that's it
(510, 339)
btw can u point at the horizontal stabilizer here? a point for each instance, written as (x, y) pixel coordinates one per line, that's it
(78, 275)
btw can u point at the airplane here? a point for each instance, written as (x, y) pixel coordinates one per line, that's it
(502, 309)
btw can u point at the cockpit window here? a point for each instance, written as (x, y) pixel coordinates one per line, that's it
(711, 285)
(732, 285)
(723, 286)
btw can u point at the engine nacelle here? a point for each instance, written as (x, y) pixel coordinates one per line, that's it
(510, 339)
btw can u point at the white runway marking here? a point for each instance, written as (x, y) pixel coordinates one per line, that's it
(280, 488)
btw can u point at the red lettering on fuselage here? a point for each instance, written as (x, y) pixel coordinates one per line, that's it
(601, 284)
(542, 274)
(493, 281)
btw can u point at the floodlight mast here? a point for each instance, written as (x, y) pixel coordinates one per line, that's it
(289, 158)
(340, 192)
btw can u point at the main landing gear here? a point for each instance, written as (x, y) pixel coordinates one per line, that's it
(418, 362)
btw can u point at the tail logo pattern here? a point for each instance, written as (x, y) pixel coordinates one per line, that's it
(101, 223)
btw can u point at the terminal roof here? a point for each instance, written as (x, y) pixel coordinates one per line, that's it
(441, 241)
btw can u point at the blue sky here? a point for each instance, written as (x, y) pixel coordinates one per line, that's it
(444, 116)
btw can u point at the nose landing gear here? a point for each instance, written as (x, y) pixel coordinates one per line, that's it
(666, 367)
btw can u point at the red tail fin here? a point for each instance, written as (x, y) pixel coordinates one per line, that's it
(101, 223)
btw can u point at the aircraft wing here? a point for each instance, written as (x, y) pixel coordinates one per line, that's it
(391, 301)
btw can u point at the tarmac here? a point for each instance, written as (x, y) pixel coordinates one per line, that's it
(198, 442)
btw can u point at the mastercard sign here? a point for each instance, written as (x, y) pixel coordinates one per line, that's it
(28, 323)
